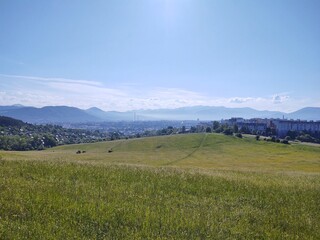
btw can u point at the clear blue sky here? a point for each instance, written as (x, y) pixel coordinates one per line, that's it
(121, 55)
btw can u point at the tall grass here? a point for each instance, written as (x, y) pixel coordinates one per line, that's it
(60, 200)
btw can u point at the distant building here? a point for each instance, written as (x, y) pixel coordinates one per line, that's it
(278, 126)
(256, 124)
(283, 126)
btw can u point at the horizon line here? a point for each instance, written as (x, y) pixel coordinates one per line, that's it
(150, 109)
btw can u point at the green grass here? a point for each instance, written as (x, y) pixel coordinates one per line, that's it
(206, 151)
(176, 187)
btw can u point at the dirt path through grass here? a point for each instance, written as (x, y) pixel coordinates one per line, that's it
(191, 153)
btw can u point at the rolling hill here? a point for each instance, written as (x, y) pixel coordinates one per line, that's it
(209, 151)
(194, 186)
(10, 122)
(308, 113)
(110, 115)
(56, 114)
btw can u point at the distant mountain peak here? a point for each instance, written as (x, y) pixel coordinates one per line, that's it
(17, 105)
(95, 109)
(307, 113)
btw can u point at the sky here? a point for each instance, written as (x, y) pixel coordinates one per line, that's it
(148, 54)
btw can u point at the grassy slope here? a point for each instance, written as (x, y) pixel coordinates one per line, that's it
(249, 190)
(211, 151)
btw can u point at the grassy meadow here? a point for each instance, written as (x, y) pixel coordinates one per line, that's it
(195, 186)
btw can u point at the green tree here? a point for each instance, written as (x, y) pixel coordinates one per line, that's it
(228, 131)
(216, 125)
(49, 141)
(235, 128)
(193, 129)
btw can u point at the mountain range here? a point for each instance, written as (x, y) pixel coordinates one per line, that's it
(64, 114)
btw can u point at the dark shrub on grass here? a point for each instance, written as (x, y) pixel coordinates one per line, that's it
(239, 135)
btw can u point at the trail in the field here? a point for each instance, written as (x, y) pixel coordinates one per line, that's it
(191, 153)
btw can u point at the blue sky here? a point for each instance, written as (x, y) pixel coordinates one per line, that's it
(123, 55)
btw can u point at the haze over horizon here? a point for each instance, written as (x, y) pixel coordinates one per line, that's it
(128, 55)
